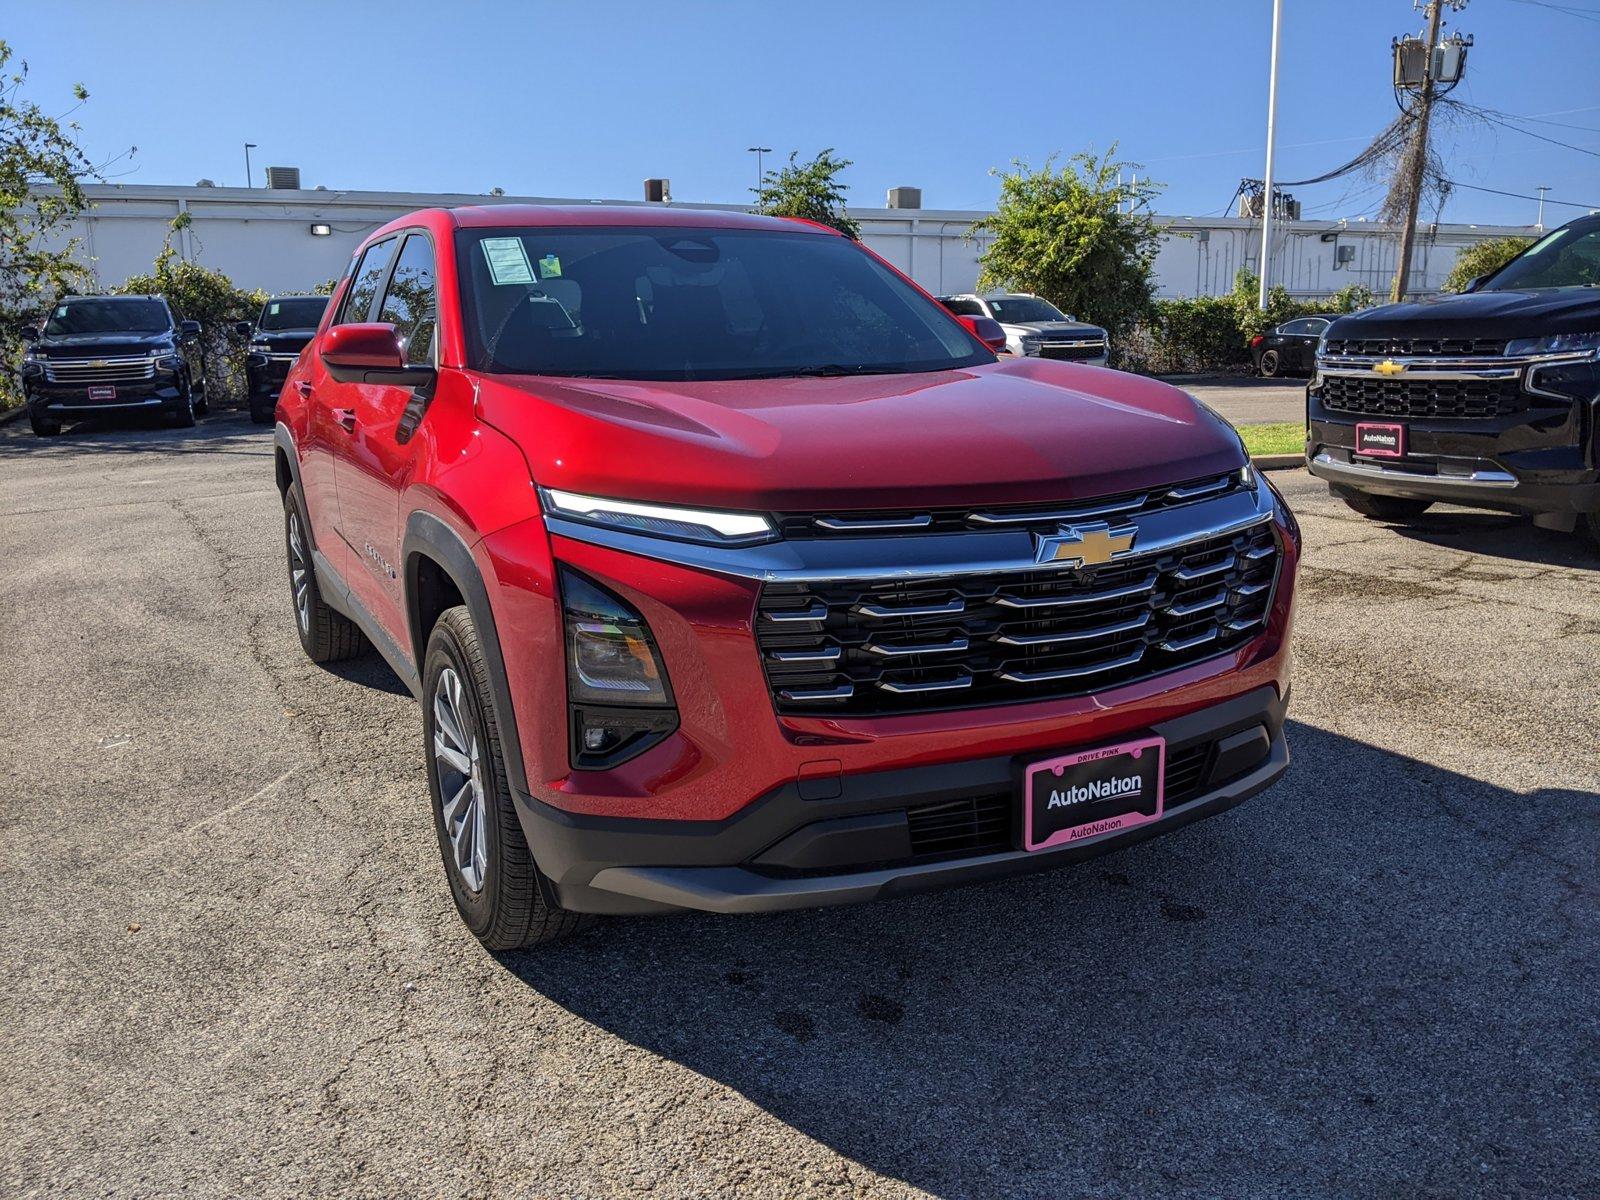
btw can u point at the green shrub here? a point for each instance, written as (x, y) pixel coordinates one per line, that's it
(1484, 258)
(1212, 333)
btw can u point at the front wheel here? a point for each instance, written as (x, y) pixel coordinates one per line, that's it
(502, 896)
(43, 426)
(1592, 524)
(325, 635)
(261, 411)
(1386, 508)
(1270, 364)
(183, 411)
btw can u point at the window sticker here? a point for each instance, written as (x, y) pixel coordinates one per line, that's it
(549, 267)
(508, 261)
(272, 309)
(61, 310)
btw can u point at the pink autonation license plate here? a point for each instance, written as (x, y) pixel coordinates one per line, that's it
(1093, 793)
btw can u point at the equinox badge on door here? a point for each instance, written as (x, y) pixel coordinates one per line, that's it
(1085, 545)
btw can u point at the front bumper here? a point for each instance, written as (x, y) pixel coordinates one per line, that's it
(1541, 460)
(787, 851)
(265, 373)
(66, 401)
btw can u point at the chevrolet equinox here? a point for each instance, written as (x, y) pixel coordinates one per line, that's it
(734, 573)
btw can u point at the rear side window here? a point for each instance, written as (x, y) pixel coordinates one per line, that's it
(364, 286)
(408, 302)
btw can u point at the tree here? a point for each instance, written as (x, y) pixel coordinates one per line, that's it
(1076, 236)
(37, 151)
(811, 190)
(1484, 258)
(206, 295)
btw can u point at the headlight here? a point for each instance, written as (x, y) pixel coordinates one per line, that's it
(1555, 343)
(1027, 344)
(170, 362)
(32, 355)
(619, 700)
(661, 520)
(1247, 476)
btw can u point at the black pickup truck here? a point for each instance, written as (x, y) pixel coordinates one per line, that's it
(1490, 398)
(281, 331)
(107, 356)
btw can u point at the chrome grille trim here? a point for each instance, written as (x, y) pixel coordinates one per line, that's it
(126, 368)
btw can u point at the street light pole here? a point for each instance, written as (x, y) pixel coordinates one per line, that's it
(761, 174)
(248, 146)
(1266, 181)
(1539, 224)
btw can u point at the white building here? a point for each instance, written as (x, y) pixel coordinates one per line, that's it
(285, 241)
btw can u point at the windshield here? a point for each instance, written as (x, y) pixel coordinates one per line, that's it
(108, 316)
(300, 312)
(1567, 258)
(1023, 310)
(681, 304)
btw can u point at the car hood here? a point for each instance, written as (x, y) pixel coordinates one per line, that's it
(1011, 432)
(1064, 327)
(70, 345)
(1491, 314)
(282, 341)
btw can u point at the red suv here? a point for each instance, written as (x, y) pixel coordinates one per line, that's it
(734, 573)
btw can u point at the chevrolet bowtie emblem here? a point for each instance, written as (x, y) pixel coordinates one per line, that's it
(98, 362)
(1389, 367)
(1085, 545)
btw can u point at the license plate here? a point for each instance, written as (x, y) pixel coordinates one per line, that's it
(1092, 793)
(1381, 441)
(102, 391)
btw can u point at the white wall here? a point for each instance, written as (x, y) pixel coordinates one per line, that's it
(262, 238)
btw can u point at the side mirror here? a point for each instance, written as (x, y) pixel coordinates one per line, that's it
(1477, 281)
(242, 328)
(987, 330)
(189, 328)
(30, 333)
(372, 354)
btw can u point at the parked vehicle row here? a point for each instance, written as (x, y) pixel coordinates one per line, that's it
(1035, 328)
(735, 573)
(1490, 398)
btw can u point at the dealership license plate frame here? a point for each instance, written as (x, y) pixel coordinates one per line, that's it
(102, 391)
(1398, 450)
(1096, 818)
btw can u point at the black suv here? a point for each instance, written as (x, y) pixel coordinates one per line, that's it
(285, 326)
(109, 356)
(1490, 398)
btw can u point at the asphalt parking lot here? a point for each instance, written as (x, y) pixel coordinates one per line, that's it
(232, 966)
(1247, 400)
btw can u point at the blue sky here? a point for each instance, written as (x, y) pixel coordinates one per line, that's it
(587, 98)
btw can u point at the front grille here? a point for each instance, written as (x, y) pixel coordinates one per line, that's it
(965, 641)
(124, 369)
(1071, 351)
(1420, 397)
(1418, 347)
(1034, 518)
(987, 824)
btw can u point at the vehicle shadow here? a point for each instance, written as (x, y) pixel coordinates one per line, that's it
(1503, 535)
(1370, 980)
(217, 433)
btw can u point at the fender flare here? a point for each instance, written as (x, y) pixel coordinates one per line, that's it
(427, 535)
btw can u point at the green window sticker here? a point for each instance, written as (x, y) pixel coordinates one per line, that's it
(508, 261)
(549, 267)
(272, 309)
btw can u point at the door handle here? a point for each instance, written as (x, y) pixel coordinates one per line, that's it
(346, 417)
(304, 387)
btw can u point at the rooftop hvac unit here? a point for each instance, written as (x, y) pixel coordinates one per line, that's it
(905, 197)
(284, 178)
(658, 191)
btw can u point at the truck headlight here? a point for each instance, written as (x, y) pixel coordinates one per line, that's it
(169, 362)
(708, 526)
(619, 699)
(1555, 343)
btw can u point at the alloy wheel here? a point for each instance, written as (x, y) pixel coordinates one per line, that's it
(299, 573)
(458, 768)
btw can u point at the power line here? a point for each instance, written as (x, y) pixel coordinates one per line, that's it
(1583, 14)
(1496, 118)
(1472, 187)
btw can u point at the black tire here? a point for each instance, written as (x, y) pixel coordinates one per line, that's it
(1591, 522)
(1386, 508)
(1270, 364)
(183, 411)
(325, 635)
(261, 412)
(514, 903)
(43, 426)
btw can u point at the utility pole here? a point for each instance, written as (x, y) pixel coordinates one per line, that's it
(1539, 224)
(1266, 182)
(1416, 162)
